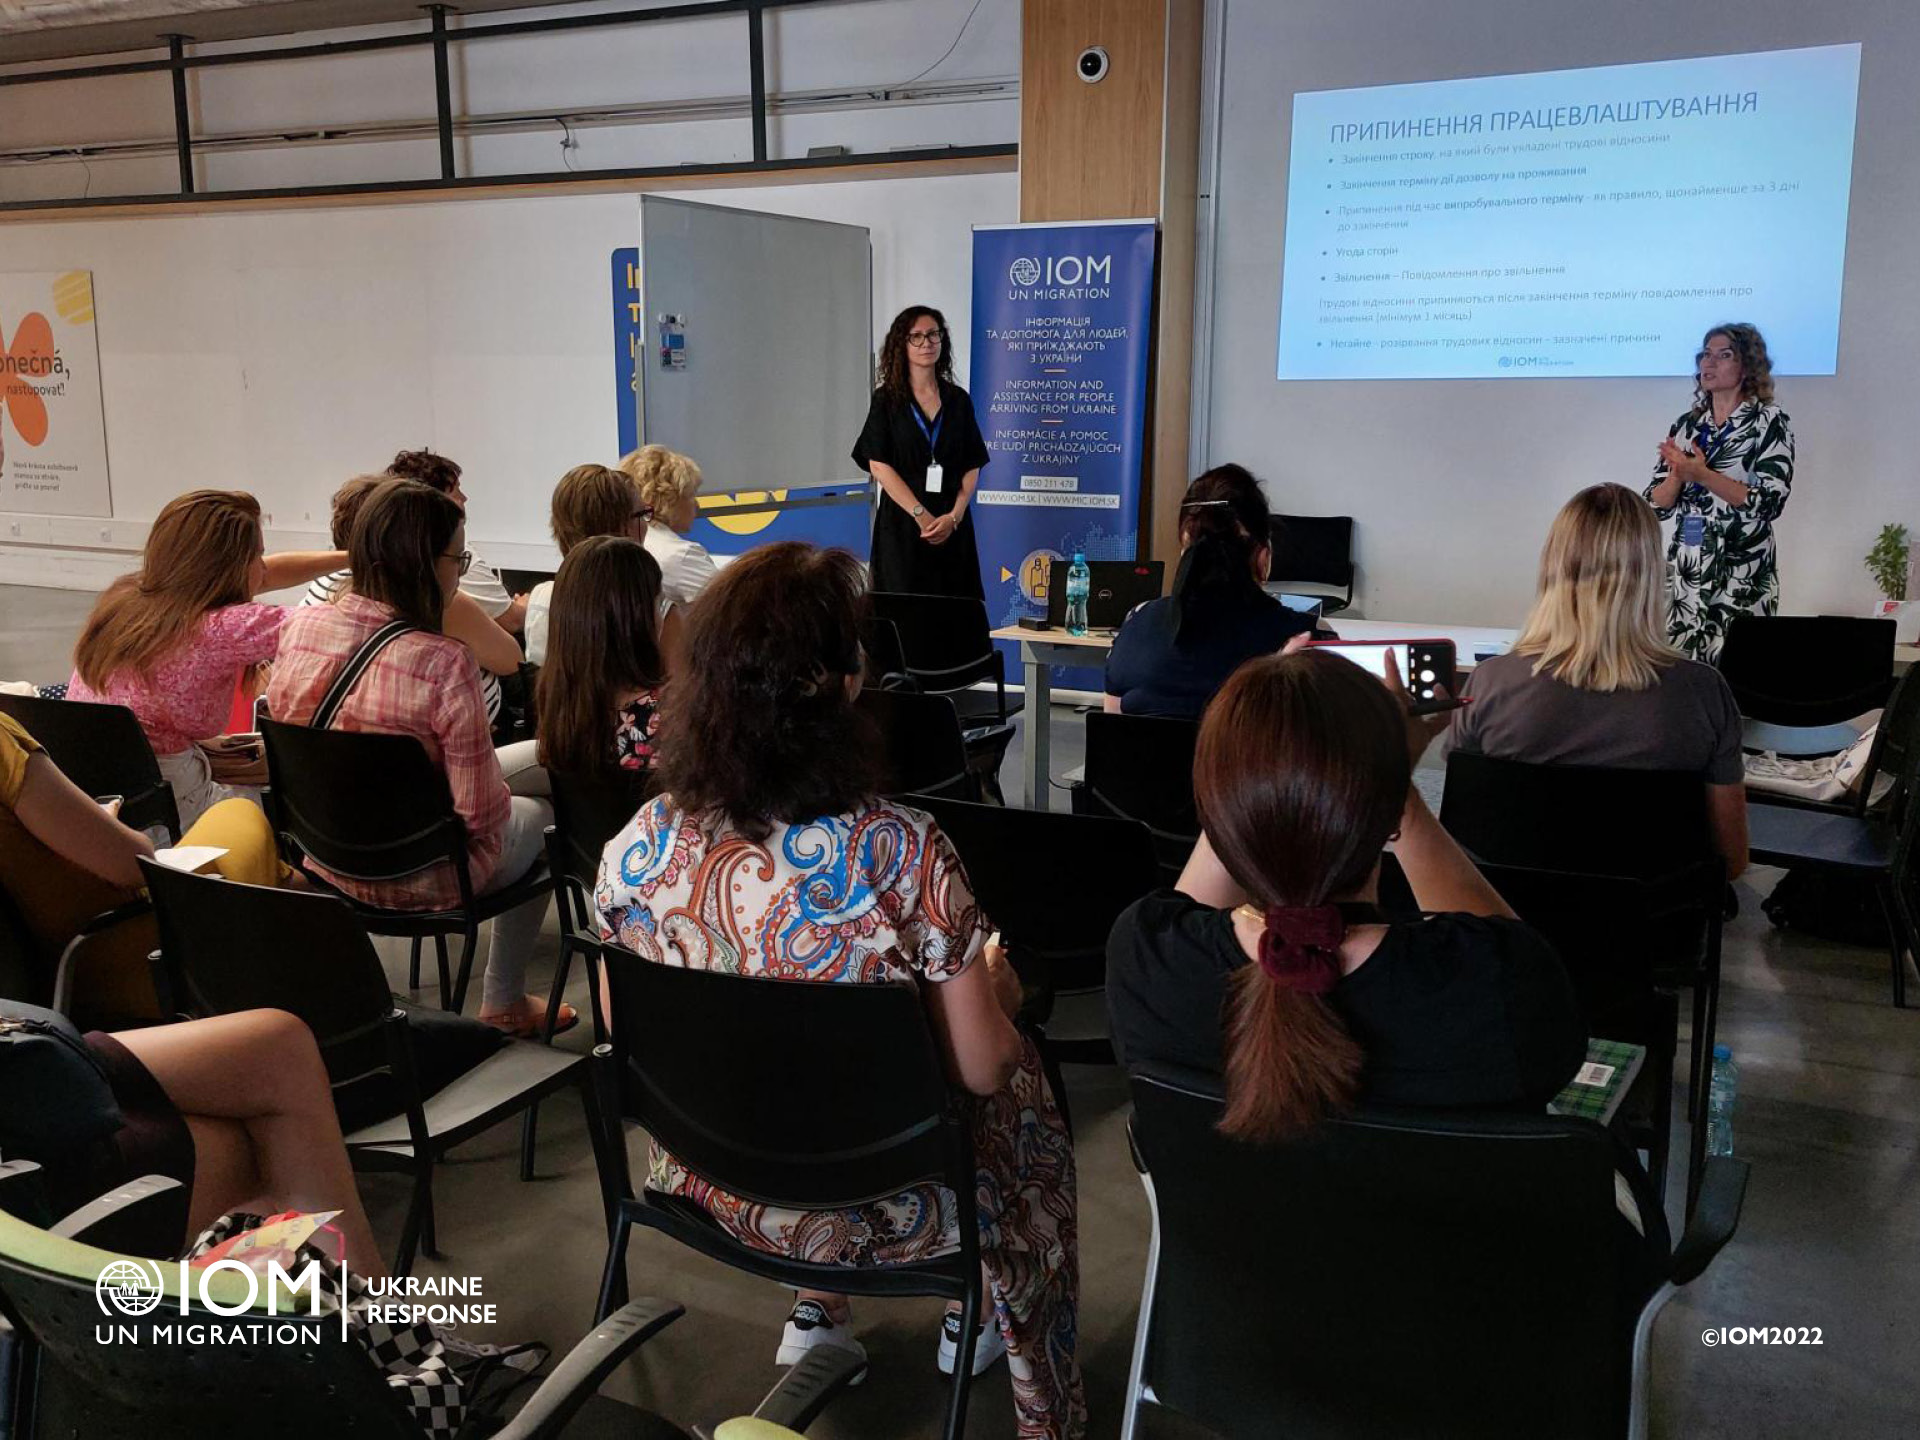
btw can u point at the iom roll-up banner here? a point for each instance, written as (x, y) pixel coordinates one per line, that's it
(1061, 325)
(736, 526)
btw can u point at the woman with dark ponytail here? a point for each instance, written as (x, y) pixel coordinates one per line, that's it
(1272, 966)
(1173, 654)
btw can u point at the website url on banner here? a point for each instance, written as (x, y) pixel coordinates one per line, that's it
(1051, 498)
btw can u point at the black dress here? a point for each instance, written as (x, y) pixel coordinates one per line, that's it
(901, 560)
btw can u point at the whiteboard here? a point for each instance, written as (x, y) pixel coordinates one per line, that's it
(773, 316)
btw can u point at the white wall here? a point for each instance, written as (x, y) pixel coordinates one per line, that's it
(282, 352)
(1453, 483)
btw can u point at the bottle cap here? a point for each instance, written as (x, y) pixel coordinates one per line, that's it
(1721, 1052)
(1079, 557)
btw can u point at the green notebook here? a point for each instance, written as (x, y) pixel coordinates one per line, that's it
(1596, 1091)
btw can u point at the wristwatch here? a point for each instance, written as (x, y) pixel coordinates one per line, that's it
(917, 511)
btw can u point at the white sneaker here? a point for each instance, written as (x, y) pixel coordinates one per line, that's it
(809, 1326)
(987, 1348)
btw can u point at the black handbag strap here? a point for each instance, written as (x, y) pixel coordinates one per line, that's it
(355, 667)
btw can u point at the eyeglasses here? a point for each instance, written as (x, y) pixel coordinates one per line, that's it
(1721, 355)
(645, 512)
(465, 557)
(925, 339)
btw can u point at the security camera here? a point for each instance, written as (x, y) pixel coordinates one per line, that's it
(1093, 64)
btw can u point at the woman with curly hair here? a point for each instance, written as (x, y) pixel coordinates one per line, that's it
(770, 800)
(1725, 469)
(923, 448)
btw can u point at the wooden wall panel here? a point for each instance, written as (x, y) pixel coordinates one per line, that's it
(1091, 152)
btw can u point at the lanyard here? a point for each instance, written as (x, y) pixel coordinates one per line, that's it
(1709, 441)
(933, 435)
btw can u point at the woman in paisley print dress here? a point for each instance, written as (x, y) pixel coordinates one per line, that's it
(769, 853)
(1725, 469)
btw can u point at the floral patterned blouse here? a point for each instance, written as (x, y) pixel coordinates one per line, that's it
(634, 728)
(1720, 559)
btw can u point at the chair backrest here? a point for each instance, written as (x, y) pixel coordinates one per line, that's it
(877, 1117)
(886, 659)
(944, 638)
(1896, 740)
(316, 1387)
(1314, 549)
(1808, 669)
(922, 749)
(227, 947)
(375, 807)
(103, 750)
(589, 810)
(1391, 1258)
(1140, 767)
(1587, 819)
(1094, 867)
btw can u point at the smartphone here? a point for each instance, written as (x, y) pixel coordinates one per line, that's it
(1426, 666)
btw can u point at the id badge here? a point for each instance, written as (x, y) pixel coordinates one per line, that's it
(1693, 529)
(936, 479)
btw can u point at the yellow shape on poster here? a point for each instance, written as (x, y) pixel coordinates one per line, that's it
(73, 297)
(744, 522)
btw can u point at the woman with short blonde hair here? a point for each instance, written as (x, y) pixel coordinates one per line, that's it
(1592, 679)
(1600, 620)
(670, 487)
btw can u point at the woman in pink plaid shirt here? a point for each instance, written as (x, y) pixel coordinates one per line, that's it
(408, 552)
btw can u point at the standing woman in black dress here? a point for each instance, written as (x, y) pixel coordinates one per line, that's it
(923, 448)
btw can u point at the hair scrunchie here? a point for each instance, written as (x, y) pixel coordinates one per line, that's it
(1300, 947)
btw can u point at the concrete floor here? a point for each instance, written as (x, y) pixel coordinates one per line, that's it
(1829, 1116)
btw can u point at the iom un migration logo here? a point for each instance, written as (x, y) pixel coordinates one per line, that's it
(1024, 272)
(129, 1287)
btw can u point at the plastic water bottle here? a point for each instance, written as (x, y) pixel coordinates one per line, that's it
(1722, 1089)
(1079, 586)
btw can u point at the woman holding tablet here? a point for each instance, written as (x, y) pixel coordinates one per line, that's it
(923, 449)
(1725, 469)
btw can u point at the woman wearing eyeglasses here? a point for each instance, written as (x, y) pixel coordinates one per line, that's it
(923, 449)
(408, 551)
(1725, 469)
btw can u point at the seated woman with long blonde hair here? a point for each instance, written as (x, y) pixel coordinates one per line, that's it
(1592, 679)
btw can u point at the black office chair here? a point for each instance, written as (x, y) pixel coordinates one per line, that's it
(226, 947)
(1598, 925)
(588, 811)
(1894, 739)
(944, 639)
(879, 1119)
(1055, 930)
(886, 660)
(1313, 554)
(1410, 1273)
(374, 807)
(103, 750)
(1643, 825)
(1808, 670)
(1879, 849)
(1140, 767)
(921, 748)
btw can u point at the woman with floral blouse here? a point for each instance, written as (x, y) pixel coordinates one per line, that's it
(1725, 469)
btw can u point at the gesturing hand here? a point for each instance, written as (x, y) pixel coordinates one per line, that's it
(1681, 462)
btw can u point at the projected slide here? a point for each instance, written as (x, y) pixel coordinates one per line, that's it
(1578, 222)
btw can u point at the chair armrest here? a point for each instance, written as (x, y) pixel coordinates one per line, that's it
(580, 1373)
(115, 1220)
(63, 978)
(22, 1194)
(1716, 1215)
(805, 1390)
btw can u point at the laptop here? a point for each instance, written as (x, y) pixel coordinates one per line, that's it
(1118, 586)
(1303, 604)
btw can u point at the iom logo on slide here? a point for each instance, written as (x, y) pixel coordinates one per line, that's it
(1024, 271)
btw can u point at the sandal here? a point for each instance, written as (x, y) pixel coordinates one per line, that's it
(527, 1020)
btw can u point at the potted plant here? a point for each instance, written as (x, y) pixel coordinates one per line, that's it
(1890, 562)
